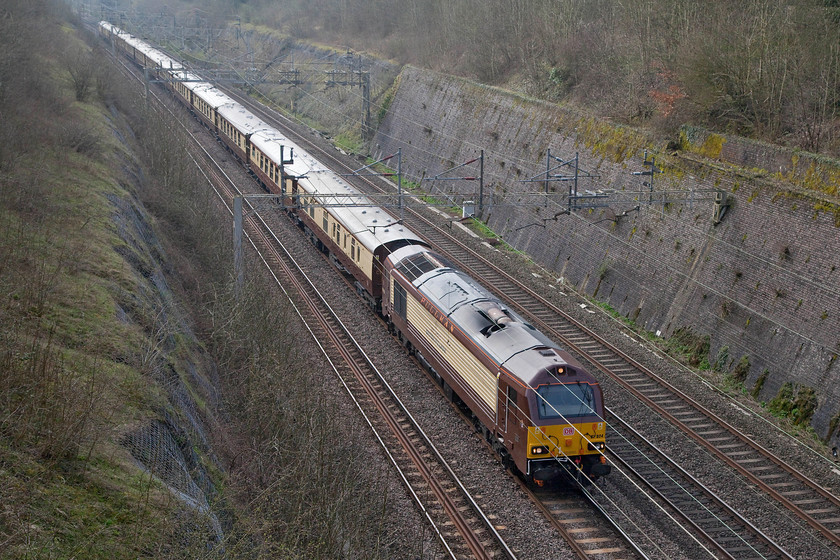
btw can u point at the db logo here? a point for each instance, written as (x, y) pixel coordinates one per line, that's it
(568, 431)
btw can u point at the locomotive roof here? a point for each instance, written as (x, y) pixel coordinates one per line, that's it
(500, 333)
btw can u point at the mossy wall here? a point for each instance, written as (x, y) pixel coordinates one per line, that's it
(761, 283)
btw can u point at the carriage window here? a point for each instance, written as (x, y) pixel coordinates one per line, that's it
(569, 400)
(399, 300)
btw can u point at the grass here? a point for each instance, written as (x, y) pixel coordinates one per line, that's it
(349, 142)
(612, 312)
(80, 512)
(72, 316)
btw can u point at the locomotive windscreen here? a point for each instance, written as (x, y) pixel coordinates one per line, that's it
(565, 400)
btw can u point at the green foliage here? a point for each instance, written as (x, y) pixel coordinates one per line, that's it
(722, 359)
(604, 268)
(689, 346)
(712, 146)
(796, 403)
(759, 383)
(70, 335)
(832, 426)
(626, 320)
(699, 65)
(349, 142)
(387, 99)
(741, 370)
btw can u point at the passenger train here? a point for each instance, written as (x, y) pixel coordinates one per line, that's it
(538, 407)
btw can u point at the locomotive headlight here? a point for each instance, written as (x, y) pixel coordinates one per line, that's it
(539, 450)
(600, 446)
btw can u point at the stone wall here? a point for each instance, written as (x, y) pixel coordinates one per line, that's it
(762, 283)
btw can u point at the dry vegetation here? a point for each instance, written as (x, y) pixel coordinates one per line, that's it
(97, 354)
(769, 69)
(67, 376)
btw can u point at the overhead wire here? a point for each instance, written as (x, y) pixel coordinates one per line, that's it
(604, 495)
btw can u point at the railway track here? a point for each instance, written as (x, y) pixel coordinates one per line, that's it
(815, 506)
(462, 528)
(720, 529)
(795, 491)
(435, 486)
(588, 529)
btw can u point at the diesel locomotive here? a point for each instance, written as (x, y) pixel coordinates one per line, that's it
(535, 403)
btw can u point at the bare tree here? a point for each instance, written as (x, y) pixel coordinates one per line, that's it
(81, 65)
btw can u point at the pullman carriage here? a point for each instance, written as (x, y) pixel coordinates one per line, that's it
(236, 124)
(184, 82)
(108, 30)
(270, 153)
(359, 237)
(537, 406)
(206, 101)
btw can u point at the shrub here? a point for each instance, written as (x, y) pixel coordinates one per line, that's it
(796, 403)
(690, 346)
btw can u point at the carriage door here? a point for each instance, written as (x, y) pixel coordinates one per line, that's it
(510, 405)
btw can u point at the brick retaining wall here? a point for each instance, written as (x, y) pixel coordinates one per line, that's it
(762, 283)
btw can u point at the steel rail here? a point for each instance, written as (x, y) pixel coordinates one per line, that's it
(659, 461)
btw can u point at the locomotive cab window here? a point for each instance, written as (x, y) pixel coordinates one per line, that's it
(570, 400)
